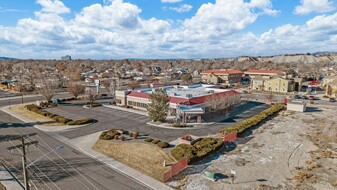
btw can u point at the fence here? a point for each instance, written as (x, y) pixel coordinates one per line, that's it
(175, 169)
(230, 137)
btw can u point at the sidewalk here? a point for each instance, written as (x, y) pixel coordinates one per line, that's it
(84, 145)
(7, 180)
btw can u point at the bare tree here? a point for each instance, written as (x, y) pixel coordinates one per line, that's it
(133, 85)
(76, 89)
(91, 95)
(48, 88)
(111, 86)
(270, 96)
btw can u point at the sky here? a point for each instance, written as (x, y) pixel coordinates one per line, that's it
(165, 29)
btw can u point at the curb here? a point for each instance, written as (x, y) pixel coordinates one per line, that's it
(68, 142)
(177, 128)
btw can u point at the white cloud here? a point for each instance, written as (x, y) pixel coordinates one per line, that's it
(265, 5)
(116, 30)
(171, 1)
(311, 6)
(182, 8)
(53, 6)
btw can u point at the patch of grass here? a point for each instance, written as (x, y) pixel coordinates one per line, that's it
(143, 157)
(60, 119)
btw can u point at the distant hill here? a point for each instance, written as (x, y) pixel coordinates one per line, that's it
(291, 58)
(7, 58)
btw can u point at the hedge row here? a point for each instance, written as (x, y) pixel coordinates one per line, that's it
(198, 151)
(159, 143)
(57, 118)
(252, 121)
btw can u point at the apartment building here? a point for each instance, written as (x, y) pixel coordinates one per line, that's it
(221, 76)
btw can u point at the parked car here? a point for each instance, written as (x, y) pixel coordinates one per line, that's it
(332, 99)
(311, 98)
(297, 97)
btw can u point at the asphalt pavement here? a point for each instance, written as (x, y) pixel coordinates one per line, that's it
(68, 169)
(109, 118)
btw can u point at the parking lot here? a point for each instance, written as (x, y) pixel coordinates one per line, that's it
(109, 118)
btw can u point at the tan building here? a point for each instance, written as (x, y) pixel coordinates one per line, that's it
(264, 73)
(279, 85)
(223, 76)
(331, 88)
(257, 83)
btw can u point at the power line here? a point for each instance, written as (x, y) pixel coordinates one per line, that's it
(39, 171)
(22, 147)
(67, 163)
(64, 169)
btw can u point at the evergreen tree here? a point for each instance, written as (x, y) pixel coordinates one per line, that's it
(159, 105)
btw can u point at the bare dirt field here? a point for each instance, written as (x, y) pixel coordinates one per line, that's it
(290, 151)
(19, 109)
(146, 158)
(2, 187)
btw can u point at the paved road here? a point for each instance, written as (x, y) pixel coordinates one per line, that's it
(70, 170)
(111, 118)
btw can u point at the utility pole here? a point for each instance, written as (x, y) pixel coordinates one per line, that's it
(24, 156)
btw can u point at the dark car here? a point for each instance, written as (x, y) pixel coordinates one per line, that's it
(297, 97)
(305, 97)
(332, 99)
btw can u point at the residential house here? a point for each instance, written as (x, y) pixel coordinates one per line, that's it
(223, 76)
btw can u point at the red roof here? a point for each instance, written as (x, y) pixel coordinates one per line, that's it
(139, 94)
(185, 101)
(222, 71)
(264, 71)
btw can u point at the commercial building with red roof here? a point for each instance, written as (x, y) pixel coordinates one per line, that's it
(192, 101)
(221, 76)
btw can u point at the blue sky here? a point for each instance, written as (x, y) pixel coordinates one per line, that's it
(114, 29)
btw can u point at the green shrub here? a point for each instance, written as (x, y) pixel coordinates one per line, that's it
(156, 141)
(108, 135)
(182, 151)
(81, 121)
(163, 144)
(197, 151)
(252, 121)
(148, 140)
(179, 125)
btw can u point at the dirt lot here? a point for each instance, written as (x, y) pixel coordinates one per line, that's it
(2, 187)
(146, 158)
(296, 151)
(19, 109)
